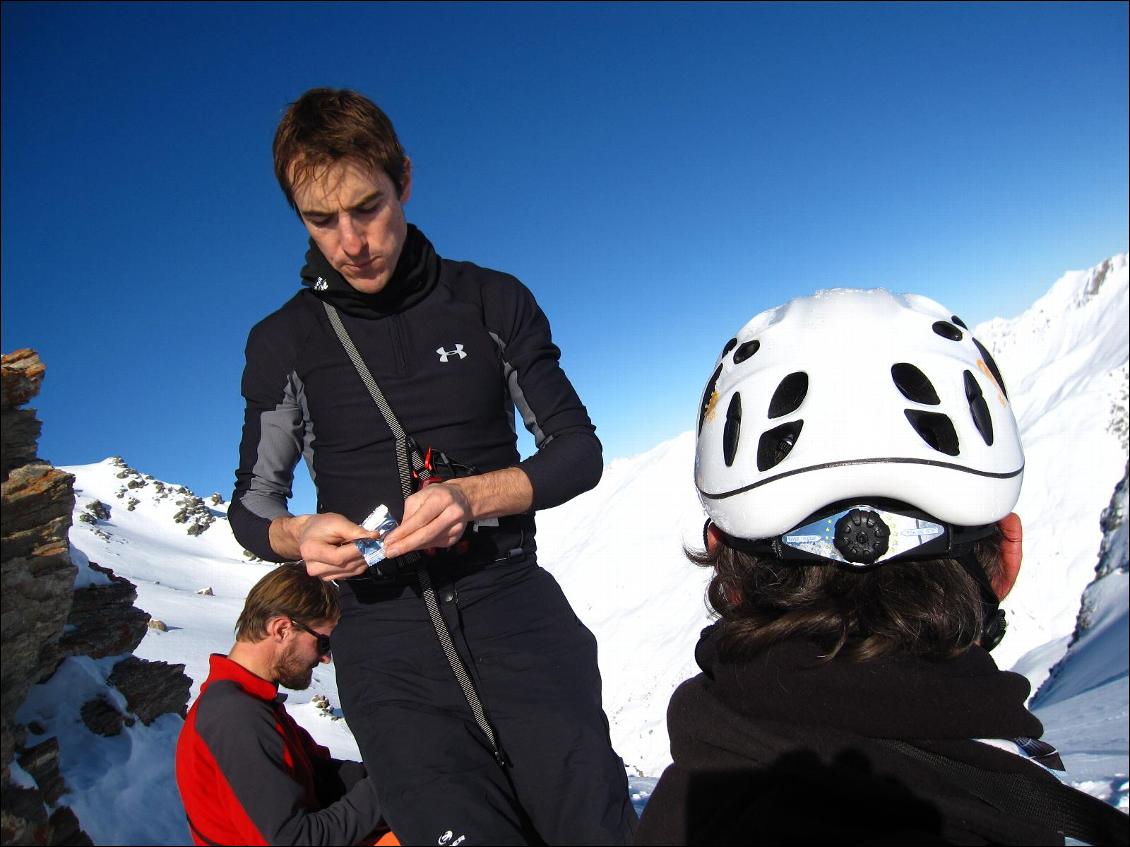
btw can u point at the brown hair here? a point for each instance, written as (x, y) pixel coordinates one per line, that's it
(928, 608)
(287, 591)
(326, 125)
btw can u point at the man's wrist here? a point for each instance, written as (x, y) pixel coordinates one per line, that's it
(495, 494)
(285, 535)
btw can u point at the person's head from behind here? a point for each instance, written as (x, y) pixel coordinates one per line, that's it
(858, 460)
(286, 624)
(342, 169)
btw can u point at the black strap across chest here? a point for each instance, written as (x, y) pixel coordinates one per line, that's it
(408, 459)
(1066, 810)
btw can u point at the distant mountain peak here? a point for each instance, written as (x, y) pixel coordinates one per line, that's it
(194, 512)
(1077, 289)
(1100, 274)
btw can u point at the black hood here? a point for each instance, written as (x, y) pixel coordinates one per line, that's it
(895, 696)
(415, 276)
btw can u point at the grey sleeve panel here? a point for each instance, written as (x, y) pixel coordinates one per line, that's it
(529, 419)
(242, 734)
(569, 460)
(285, 433)
(273, 439)
(307, 430)
(276, 426)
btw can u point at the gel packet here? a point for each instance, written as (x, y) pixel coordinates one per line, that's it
(373, 549)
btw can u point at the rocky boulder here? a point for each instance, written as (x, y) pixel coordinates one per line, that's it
(152, 689)
(36, 586)
(103, 620)
(22, 373)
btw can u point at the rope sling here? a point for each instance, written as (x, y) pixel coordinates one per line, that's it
(407, 451)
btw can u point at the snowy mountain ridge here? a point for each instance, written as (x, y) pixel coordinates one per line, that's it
(617, 552)
(1081, 319)
(1065, 364)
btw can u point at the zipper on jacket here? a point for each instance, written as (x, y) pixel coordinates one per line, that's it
(400, 344)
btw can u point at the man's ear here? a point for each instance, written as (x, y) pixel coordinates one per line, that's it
(713, 537)
(278, 627)
(1012, 553)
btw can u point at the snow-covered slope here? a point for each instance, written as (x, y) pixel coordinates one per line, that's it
(1065, 364)
(1085, 697)
(617, 552)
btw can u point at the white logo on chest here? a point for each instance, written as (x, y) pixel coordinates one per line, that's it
(444, 355)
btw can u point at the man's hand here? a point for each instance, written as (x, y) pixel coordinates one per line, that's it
(322, 542)
(437, 515)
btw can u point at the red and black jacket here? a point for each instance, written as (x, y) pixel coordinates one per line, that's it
(248, 774)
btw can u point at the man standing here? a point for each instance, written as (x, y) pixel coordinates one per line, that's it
(482, 705)
(247, 773)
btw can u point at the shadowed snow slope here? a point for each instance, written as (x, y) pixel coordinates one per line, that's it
(1085, 697)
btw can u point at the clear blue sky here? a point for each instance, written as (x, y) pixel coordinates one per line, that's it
(657, 174)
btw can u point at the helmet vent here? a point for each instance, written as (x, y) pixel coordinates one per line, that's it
(707, 394)
(936, 430)
(914, 385)
(992, 365)
(776, 443)
(955, 319)
(746, 350)
(733, 428)
(978, 408)
(730, 345)
(789, 395)
(947, 330)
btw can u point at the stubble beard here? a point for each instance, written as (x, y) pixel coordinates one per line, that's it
(293, 673)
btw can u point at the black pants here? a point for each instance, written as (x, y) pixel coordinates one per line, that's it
(535, 668)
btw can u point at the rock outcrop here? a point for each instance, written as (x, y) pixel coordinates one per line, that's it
(19, 428)
(151, 689)
(45, 620)
(103, 620)
(36, 582)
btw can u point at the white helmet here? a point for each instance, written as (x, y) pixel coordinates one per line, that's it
(855, 395)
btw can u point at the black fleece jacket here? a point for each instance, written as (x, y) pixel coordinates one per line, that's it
(454, 347)
(785, 748)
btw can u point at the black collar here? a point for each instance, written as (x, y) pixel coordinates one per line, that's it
(892, 696)
(416, 274)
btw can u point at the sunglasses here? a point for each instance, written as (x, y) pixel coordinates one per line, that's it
(323, 640)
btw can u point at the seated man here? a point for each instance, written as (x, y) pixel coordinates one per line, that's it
(247, 773)
(858, 461)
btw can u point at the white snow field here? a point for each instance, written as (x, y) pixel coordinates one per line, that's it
(617, 553)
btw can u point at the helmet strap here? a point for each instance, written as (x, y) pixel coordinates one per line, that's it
(993, 623)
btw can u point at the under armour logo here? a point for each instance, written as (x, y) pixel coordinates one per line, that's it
(320, 284)
(444, 354)
(446, 839)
